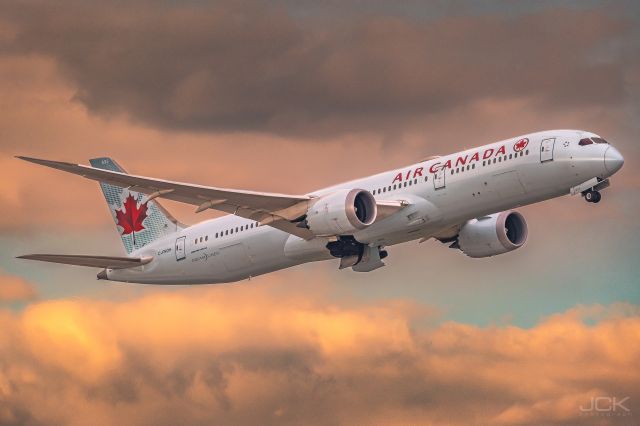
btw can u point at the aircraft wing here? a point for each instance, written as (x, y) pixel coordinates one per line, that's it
(276, 210)
(109, 262)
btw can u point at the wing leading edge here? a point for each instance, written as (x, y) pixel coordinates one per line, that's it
(276, 210)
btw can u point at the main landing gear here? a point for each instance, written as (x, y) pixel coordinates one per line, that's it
(592, 196)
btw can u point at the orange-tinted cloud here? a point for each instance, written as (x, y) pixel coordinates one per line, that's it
(15, 289)
(234, 355)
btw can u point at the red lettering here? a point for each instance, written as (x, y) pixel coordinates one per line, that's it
(462, 161)
(447, 164)
(488, 153)
(501, 151)
(397, 178)
(434, 167)
(408, 174)
(475, 157)
(417, 172)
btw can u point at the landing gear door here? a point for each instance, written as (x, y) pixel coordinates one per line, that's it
(546, 149)
(438, 178)
(180, 250)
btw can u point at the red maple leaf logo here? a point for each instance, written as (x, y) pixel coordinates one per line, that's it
(131, 217)
(520, 145)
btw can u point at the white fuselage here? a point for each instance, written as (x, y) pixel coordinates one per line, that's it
(442, 193)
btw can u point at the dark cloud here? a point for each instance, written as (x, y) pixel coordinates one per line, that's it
(250, 66)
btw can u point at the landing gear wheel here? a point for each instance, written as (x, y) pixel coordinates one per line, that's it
(592, 196)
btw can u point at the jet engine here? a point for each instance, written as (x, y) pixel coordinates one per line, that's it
(342, 212)
(491, 235)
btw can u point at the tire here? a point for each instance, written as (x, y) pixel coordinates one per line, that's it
(596, 197)
(589, 196)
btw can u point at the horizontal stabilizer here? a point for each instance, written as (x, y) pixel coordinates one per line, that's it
(109, 262)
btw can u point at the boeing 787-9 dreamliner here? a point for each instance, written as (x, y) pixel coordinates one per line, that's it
(464, 200)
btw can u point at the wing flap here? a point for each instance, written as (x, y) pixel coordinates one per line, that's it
(388, 207)
(109, 262)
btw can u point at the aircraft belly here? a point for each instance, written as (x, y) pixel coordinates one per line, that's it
(235, 257)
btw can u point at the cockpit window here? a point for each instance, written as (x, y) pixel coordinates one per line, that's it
(599, 140)
(585, 141)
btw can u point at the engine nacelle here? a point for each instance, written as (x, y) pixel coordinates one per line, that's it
(491, 235)
(342, 212)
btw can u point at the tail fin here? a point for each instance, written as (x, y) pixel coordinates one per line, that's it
(139, 222)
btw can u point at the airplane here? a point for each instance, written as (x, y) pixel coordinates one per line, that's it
(465, 200)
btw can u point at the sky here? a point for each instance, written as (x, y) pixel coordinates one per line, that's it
(289, 97)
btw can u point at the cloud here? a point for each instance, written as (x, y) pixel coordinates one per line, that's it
(34, 92)
(452, 82)
(235, 355)
(15, 289)
(251, 66)
(243, 90)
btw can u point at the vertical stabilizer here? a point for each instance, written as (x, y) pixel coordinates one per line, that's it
(139, 221)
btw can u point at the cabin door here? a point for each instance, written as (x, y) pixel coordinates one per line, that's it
(438, 178)
(180, 251)
(546, 149)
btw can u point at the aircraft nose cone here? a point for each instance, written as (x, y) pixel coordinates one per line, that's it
(613, 160)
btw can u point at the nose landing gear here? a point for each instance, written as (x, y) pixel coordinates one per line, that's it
(592, 196)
